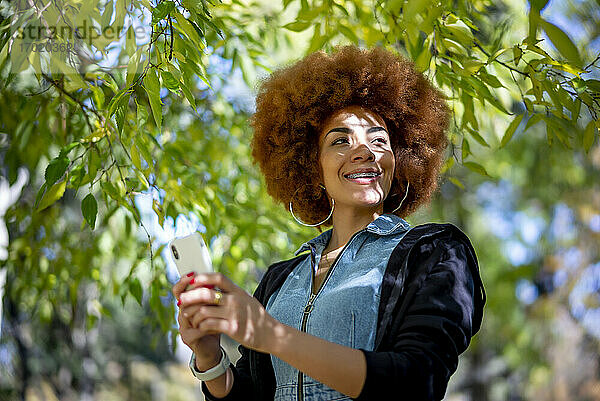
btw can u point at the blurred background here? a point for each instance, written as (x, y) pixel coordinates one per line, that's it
(117, 142)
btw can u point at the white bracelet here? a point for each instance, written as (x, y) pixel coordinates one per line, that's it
(213, 372)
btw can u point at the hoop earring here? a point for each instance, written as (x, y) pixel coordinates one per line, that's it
(407, 186)
(311, 225)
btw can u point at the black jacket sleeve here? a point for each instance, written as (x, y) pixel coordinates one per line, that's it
(439, 311)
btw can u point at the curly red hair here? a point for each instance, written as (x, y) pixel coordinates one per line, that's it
(294, 101)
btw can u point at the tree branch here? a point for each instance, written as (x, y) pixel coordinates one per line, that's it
(500, 62)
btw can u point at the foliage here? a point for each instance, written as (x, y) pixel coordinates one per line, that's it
(157, 122)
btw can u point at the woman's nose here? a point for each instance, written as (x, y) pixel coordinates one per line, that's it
(363, 151)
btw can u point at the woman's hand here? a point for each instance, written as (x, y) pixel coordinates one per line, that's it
(238, 314)
(205, 347)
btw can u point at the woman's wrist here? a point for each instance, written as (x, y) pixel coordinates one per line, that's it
(205, 363)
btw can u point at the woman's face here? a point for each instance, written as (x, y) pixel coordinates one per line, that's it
(353, 140)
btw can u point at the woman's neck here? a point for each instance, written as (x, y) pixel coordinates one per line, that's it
(346, 223)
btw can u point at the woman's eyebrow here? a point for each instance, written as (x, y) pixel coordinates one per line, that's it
(348, 130)
(375, 129)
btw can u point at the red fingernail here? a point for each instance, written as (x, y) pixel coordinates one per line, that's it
(209, 286)
(178, 302)
(190, 274)
(192, 281)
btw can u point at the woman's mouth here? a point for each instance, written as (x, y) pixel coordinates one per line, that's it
(362, 178)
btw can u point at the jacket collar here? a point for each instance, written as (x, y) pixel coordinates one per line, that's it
(386, 224)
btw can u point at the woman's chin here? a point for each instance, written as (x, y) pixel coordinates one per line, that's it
(367, 203)
(370, 198)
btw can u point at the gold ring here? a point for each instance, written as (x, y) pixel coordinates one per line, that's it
(218, 297)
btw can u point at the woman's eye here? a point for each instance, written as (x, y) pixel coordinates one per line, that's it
(383, 140)
(337, 140)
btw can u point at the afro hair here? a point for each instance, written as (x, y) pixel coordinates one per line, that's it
(294, 101)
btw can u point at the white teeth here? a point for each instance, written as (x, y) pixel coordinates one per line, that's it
(359, 175)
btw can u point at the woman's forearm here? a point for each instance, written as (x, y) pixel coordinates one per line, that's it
(344, 369)
(220, 386)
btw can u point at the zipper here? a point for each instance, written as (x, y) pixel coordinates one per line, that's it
(310, 304)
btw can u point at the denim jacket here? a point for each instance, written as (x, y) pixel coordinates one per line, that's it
(344, 310)
(431, 305)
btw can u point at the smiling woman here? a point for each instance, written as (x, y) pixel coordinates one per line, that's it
(357, 167)
(377, 307)
(295, 102)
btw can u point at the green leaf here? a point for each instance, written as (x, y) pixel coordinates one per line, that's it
(135, 288)
(465, 148)
(112, 191)
(93, 164)
(589, 135)
(347, 32)
(64, 152)
(189, 29)
(490, 79)
(53, 194)
(512, 127)
(478, 168)
(454, 46)
(297, 26)
(517, 53)
(152, 87)
(460, 31)
(142, 178)
(423, 60)
(159, 212)
(39, 195)
(565, 67)
(593, 85)
(187, 85)
(447, 165)
(89, 209)
(529, 105)
(3, 54)
(162, 10)
(575, 111)
(498, 53)
(135, 157)
(133, 67)
(341, 8)
(562, 42)
(413, 8)
(97, 96)
(538, 4)
(78, 177)
(549, 134)
(534, 20)
(106, 16)
(536, 118)
(477, 137)
(120, 115)
(130, 45)
(456, 182)
(141, 116)
(554, 95)
(317, 40)
(559, 127)
(483, 93)
(116, 101)
(142, 146)
(56, 169)
(169, 81)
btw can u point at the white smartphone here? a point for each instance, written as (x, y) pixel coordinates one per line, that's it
(190, 254)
